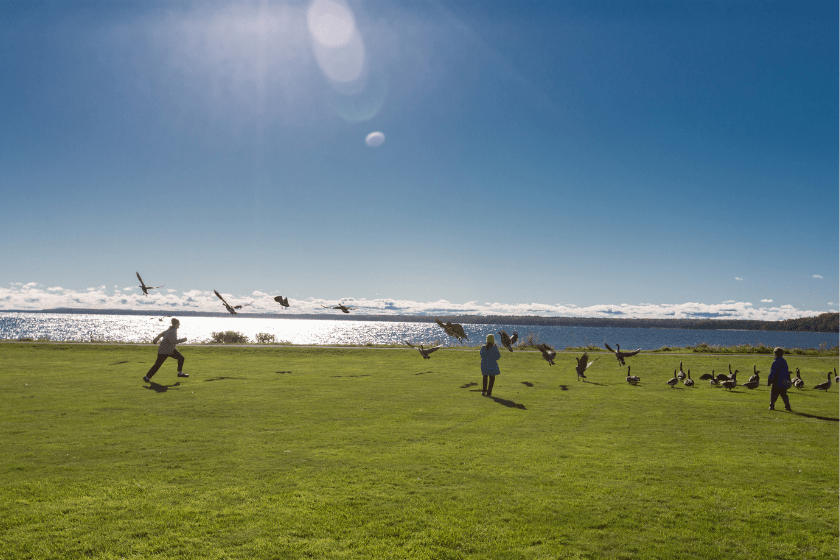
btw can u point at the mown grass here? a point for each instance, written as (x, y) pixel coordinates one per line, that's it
(376, 453)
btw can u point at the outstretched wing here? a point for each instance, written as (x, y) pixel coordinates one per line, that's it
(514, 338)
(141, 280)
(607, 346)
(433, 348)
(628, 354)
(410, 344)
(218, 295)
(592, 362)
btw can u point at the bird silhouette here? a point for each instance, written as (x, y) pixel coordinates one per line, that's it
(144, 287)
(583, 364)
(424, 351)
(507, 340)
(707, 376)
(344, 308)
(619, 355)
(282, 301)
(230, 308)
(548, 353)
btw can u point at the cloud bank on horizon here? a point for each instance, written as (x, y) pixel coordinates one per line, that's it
(33, 297)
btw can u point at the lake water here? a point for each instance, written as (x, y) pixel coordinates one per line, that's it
(68, 327)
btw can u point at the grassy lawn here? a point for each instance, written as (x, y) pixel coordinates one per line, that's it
(269, 452)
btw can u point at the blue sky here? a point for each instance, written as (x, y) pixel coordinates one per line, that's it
(577, 158)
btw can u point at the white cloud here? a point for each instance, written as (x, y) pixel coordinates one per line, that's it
(739, 279)
(817, 276)
(35, 297)
(767, 301)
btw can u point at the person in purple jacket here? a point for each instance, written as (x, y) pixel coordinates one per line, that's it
(489, 365)
(168, 340)
(779, 378)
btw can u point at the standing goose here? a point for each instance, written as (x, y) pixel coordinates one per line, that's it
(714, 382)
(730, 383)
(754, 377)
(689, 382)
(619, 355)
(507, 340)
(707, 376)
(548, 353)
(583, 364)
(752, 383)
(797, 381)
(681, 374)
(825, 385)
(673, 381)
(632, 379)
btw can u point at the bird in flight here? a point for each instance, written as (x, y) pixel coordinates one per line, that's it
(344, 308)
(619, 355)
(230, 308)
(507, 340)
(453, 329)
(424, 351)
(282, 301)
(144, 287)
(548, 353)
(582, 365)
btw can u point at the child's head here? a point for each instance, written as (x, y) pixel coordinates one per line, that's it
(175, 322)
(491, 339)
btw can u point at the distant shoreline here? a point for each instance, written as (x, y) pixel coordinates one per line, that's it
(826, 322)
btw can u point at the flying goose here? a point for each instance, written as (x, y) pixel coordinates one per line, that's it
(673, 381)
(619, 355)
(583, 364)
(730, 383)
(689, 382)
(227, 306)
(282, 301)
(548, 353)
(797, 381)
(681, 374)
(507, 340)
(144, 287)
(344, 308)
(632, 379)
(825, 385)
(424, 351)
(452, 329)
(707, 376)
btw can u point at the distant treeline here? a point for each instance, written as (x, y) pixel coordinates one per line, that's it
(826, 322)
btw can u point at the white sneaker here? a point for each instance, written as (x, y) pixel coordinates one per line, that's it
(182, 374)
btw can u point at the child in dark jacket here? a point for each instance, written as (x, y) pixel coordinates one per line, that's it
(779, 379)
(489, 365)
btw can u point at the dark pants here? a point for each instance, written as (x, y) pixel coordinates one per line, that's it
(162, 358)
(775, 393)
(487, 388)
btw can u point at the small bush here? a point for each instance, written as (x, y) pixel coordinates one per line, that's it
(265, 338)
(229, 337)
(530, 340)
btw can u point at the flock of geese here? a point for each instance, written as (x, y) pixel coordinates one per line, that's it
(455, 330)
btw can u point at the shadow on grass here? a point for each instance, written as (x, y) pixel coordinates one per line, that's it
(509, 404)
(527, 383)
(564, 387)
(422, 372)
(282, 372)
(365, 375)
(223, 377)
(468, 385)
(158, 388)
(118, 363)
(814, 416)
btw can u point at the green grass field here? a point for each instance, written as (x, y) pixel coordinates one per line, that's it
(376, 453)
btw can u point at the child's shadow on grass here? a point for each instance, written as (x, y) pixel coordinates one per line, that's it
(158, 388)
(828, 418)
(509, 404)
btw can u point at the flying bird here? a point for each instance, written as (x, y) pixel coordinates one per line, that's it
(230, 308)
(344, 308)
(144, 287)
(619, 355)
(453, 329)
(548, 353)
(282, 301)
(507, 340)
(424, 351)
(583, 365)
